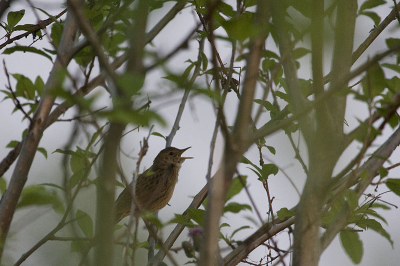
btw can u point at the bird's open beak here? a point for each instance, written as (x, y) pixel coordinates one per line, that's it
(182, 151)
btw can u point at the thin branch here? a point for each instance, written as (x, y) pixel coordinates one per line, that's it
(185, 96)
(264, 233)
(371, 166)
(268, 130)
(35, 132)
(17, 103)
(35, 28)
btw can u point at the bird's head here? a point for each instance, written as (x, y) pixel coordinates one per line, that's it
(170, 156)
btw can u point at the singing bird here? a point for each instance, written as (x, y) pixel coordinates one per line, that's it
(155, 186)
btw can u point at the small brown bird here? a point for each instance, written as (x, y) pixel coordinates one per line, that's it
(155, 186)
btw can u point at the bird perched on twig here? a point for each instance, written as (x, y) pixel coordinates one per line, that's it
(155, 186)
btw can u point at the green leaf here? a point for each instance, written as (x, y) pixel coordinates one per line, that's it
(282, 95)
(25, 27)
(352, 245)
(392, 67)
(14, 17)
(39, 85)
(133, 117)
(247, 161)
(197, 215)
(376, 226)
(267, 170)
(131, 83)
(371, 4)
(383, 172)
(158, 135)
(78, 162)
(285, 213)
(38, 195)
(271, 149)
(79, 245)
(28, 49)
(224, 225)
(239, 229)
(25, 87)
(3, 185)
(85, 223)
(12, 144)
(394, 185)
(374, 82)
(149, 216)
(372, 15)
(67, 152)
(42, 151)
(95, 136)
(351, 199)
(362, 134)
(204, 60)
(235, 207)
(76, 178)
(52, 185)
(242, 27)
(300, 52)
(181, 219)
(236, 186)
(209, 93)
(56, 31)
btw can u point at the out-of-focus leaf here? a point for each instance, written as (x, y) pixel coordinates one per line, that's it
(12, 144)
(56, 31)
(374, 225)
(240, 229)
(52, 185)
(95, 136)
(242, 27)
(351, 199)
(149, 216)
(28, 49)
(133, 117)
(3, 185)
(158, 135)
(14, 17)
(236, 186)
(38, 195)
(39, 85)
(25, 87)
(374, 82)
(42, 151)
(383, 172)
(236, 207)
(79, 245)
(197, 215)
(352, 245)
(394, 185)
(181, 219)
(68, 152)
(300, 52)
(371, 4)
(85, 223)
(76, 178)
(267, 170)
(271, 149)
(285, 213)
(372, 15)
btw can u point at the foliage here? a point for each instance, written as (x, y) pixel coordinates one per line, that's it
(106, 53)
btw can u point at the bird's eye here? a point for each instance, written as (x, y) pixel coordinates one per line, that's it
(171, 153)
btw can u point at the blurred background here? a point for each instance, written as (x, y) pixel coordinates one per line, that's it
(31, 224)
